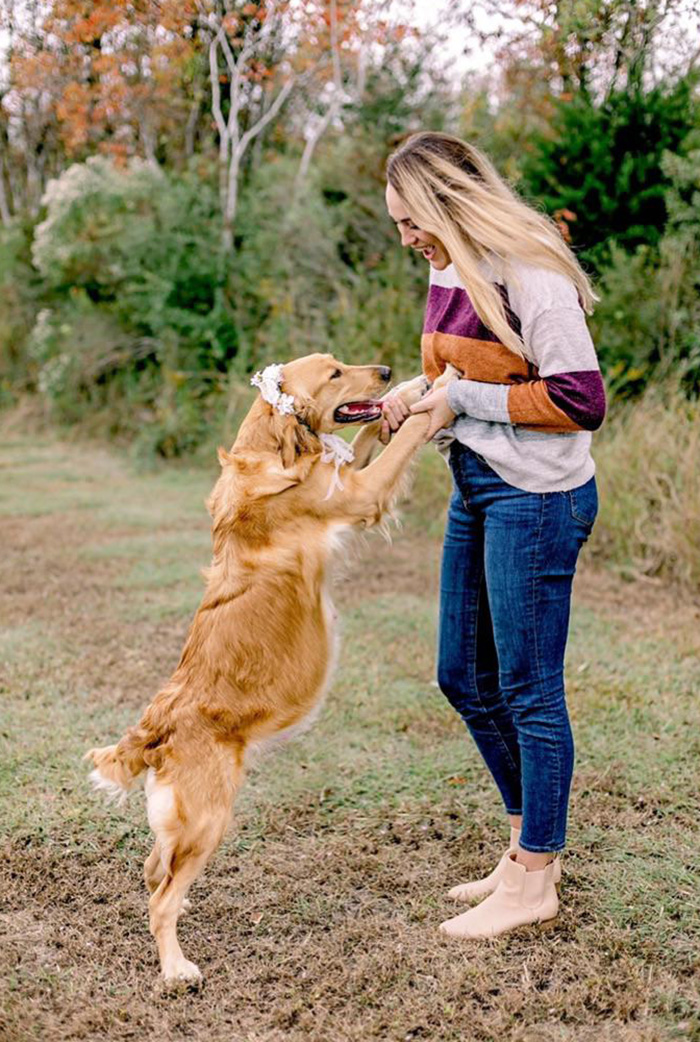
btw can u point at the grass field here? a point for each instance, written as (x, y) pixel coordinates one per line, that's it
(316, 920)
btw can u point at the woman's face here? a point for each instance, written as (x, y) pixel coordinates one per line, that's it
(431, 248)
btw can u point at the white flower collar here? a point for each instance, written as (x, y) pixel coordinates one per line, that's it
(335, 450)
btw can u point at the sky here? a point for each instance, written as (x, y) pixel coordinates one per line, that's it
(435, 12)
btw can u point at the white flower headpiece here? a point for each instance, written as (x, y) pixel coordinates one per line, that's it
(268, 381)
(335, 450)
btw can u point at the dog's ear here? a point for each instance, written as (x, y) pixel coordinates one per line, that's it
(265, 475)
(293, 438)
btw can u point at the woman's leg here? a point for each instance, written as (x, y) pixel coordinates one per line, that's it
(531, 545)
(467, 663)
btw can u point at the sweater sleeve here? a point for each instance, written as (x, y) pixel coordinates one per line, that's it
(568, 394)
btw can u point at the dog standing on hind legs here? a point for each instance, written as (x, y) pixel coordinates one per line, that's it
(260, 649)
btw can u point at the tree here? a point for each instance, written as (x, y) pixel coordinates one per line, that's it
(119, 69)
(602, 162)
(244, 38)
(593, 47)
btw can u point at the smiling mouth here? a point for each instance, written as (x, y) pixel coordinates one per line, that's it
(358, 412)
(427, 251)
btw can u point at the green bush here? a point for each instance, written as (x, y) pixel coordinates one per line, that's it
(679, 276)
(92, 372)
(144, 245)
(324, 271)
(136, 334)
(603, 162)
(19, 294)
(647, 324)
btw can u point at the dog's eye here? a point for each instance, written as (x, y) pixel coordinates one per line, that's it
(335, 375)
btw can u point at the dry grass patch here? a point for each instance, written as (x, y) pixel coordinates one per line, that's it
(648, 459)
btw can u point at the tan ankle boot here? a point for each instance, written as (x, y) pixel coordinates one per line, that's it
(478, 888)
(520, 898)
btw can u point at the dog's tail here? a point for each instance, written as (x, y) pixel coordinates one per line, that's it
(117, 767)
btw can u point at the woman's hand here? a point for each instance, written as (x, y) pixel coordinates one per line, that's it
(394, 412)
(435, 403)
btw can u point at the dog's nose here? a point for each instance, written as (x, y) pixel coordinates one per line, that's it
(384, 373)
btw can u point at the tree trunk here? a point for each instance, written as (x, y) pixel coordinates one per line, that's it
(5, 214)
(191, 128)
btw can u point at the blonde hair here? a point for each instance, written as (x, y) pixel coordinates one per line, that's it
(452, 191)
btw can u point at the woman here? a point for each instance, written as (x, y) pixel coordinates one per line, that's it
(506, 308)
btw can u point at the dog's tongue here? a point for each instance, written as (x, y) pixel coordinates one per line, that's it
(358, 412)
(357, 408)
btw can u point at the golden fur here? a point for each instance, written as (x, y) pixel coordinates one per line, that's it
(260, 648)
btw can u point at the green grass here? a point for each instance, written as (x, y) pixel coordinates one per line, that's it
(316, 919)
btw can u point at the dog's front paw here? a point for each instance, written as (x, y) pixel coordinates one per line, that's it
(412, 391)
(447, 377)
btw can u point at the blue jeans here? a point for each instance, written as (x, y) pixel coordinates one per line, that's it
(508, 563)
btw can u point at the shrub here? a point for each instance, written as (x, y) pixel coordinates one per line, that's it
(603, 162)
(137, 332)
(325, 272)
(145, 246)
(647, 324)
(629, 320)
(19, 294)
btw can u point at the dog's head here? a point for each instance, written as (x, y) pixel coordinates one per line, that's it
(326, 395)
(329, 394)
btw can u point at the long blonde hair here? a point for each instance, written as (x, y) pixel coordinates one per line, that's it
(452, 191)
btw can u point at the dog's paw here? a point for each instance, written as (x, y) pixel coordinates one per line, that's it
(411, 391)
(181, 972)
(185, 906)
(449, 374)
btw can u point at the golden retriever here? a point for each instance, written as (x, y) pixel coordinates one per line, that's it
(260, 650)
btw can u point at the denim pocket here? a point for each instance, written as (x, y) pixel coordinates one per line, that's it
(584, 503)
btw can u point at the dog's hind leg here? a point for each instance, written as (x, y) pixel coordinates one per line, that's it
(153, 870)
(189, 816)
(165, 905)
(153, 873)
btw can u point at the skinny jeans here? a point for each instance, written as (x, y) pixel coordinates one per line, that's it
(508, 564)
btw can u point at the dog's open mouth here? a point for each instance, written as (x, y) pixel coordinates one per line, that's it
(358, 412)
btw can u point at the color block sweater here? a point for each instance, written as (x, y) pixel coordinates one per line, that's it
(530, 418)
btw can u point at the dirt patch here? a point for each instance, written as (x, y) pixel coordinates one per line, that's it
(333, 942)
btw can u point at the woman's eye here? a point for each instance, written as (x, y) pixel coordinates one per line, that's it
(336, 374)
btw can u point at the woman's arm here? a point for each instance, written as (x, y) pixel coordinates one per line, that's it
(568, 394)
(561, 402)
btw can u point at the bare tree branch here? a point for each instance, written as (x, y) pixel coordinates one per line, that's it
(233, 143)
(274, 108)
(334, 105)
